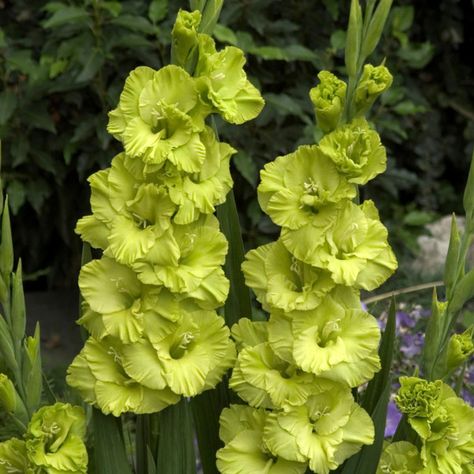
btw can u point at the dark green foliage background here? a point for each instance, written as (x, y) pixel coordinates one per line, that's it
(63, 64)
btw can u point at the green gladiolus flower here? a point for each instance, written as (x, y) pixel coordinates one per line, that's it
(325, 431)
(444, 423)
(185, 35)
(298, 191)
(13, 457)
(331, 342)
(245, 450)
(328, 100)
(280, 281)
(259, 367)
(199, 193)
(54, 440)
(160, 117)
(355, 249)
(182, 356)
(187, 260)
(249, 333)
(98, 375)
(375, 80)
(356, 151)
(399, 458)
(223, 83)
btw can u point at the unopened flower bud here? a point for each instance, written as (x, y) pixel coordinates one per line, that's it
(374, 81)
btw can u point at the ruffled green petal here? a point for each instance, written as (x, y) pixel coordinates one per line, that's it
(13, 456)
(249, 333)
(93, 231)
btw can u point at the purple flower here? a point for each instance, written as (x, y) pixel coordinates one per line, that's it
(411, 344)
(405, 320)
(393, 418)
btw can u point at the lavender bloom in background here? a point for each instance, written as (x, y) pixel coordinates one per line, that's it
(393, 418)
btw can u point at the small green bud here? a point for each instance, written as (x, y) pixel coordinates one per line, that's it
(7, 394)
(18, 314)
(32, 370)
(375, 29)
(6, 346)
(328, 100)
(374, 81)
(468, 198)
(6, 246)
(185, 36)
(460, 348)
(210, 16)
(417, 397)
(354, 38)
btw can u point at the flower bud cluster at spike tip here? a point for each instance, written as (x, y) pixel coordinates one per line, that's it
(149, 303)
(53, 443)
(444, 424)
(297, 370)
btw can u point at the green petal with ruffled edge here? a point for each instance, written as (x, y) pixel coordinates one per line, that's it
(13, 456)
(249, 333)
(223, 83)
(399, 458)
(245, 451)
(356, 150)
(295, 187)
(93, 231)
(285, 283)
(113, 291)
(54, 440)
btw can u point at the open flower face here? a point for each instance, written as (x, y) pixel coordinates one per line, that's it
(187, 260)
(325, 431)
(280, 281)
(98, 375)
(159, 117)
(298, 190)
(400, 458)
(356, 151)
(54, 441)
(355, 250)
(245, 450)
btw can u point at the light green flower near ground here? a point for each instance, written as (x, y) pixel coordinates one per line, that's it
(241, 429)
(298, 190)
(160, 117)
(325, 431)
(374, 81)
(186, 357)
(332, 342)
(187, 260)
(55, 439)
(223, 84)
(328, 99)
(13, 457)
(199, 193)
(399, 458)
(355, 249)
(281, 281)
(356, 151)
(443, 421)
(98, 375)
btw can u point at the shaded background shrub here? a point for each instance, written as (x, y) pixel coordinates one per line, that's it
(63, 64)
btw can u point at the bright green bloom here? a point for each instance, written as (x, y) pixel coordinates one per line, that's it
(113, 291)
(223, 83)
(241, 429)
(181, 356)
(282, 383)
(281, 281)
(325, 431)
(399, 458)
(374, 81)
(160, 117)
(13, 457)
(249, 333)
(356, 151)
(199, 193)
(55, 439)
(331, 341)
(328, 99)
(97, 373)
(355, 249)
(298, 190)
(187, 259)
(443, 421)
(418, 398)
(184, 35)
